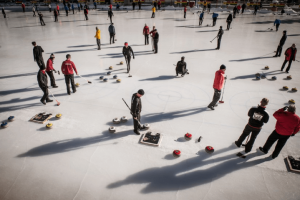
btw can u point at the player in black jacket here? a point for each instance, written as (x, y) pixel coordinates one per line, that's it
(38, 55)
(155, 39)
(136, 108)
(281, 43)
(127, 51)
(43, 83)
(258, 116)
(181, 67)
(220, 34)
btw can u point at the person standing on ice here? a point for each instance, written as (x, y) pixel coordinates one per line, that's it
(152, 34)
(218, 85)
(155, 39)
(41, 19)
(153, 12)
(112, 33)
(146, 34)
(33, 10)
(136, 109)
(49, 5)
(234, 11)
(243, 8)
(201, 17)
(3, 12)
(208, 7)
(277, 23)
(159, 4)
(133, 5)
(255, 9)
(23, 7)
(139, 4)
(257, 117)
(220, 34)
(290, 56)
(98, 37)
(57, 8)
(229, 20)
(38, 55)
(288, 124)
(110, 14)
(215, 17)
(86, 12)
(73, 9)
(67, 10)
(181, 67)
(281, 43)
(43, 83)
(184, 11)
(55, 15)
(67, 68)
(50, 69)
(127, 51)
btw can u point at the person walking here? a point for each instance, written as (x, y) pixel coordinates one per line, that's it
(218, 85)
(220, 34)
(215, 17)
(110, 14)
(50, 69)
(258, 116)
(229, 20)
(208, 7)
(55, 15)
(127, 51)
(136, 109)
(201, 17)
(86, 12)
(43, 84)
(280, 45)
(153, 12)
(288, 124)
(146, 34)
(235, 10)
(112, 33)
(49, 6)
(57, 8)
(38, 55)
(67, 10)
(181, 67)
(3, 12)
(41, 19)
(98, 37)
(73, 9)
(67, 68)
(255, 9)
(290, 56)
(23, 7)
(33, 10)
(243, 8)
(204, 6)
(155, 39)
(277, 23)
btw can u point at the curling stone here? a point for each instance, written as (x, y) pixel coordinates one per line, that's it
(116, 121)
(118, 80)
(263, 76)
(146, 126)
(209, 149)
(77, 84)
(115, 76)
(11, 118)
(176, 153)
(58, 116)
(4, 125)
(105, 79)
(188, 136)
(294, 89)
(274, 78)
(267, 67)
(124, 119)
(292, 101)
(110, 67)
(257, 77)
(257, 74)
(112, 129)
(49, 125)
(289, 77)
(101, 77)
(108, 73)
(121, 63)
(285, 87)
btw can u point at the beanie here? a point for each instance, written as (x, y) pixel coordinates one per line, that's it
(52, 55)
(141, 92)
(125, 43)
(223, 67)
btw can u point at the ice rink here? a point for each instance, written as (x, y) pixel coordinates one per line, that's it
(79, 159)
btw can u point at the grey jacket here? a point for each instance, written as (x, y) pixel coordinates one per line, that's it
(111, 30)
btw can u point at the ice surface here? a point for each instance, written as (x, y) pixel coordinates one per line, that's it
(80, 159)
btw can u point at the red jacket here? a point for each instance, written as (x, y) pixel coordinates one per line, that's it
(158, 3)
(288, 54)
(57, 7)
(185, 9)
(49, 65)
(110, 6)
(287, 123)
(67, 67)
(219, 80)
(23, 5)
(146, 30)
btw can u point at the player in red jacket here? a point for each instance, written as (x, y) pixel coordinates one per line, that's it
(218, 85)
(67, 68)
(290, 56)
(288, 124)
(57, 8)
(146, 34)
(184, 12)
(50, 69)
(23, 7)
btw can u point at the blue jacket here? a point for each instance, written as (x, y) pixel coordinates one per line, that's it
(72, 6)
(66, 8)
(201, 15)
(215, 15)
(277, 21)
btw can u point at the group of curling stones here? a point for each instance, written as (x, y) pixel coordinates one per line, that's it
(4, 124)
(50, 125)
(123, 119)
(188, 137)
(108, 74)
(287, 88)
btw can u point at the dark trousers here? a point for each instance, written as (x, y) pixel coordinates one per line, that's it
(67, 12)
(73, 11)
(110, 17)
(280, 143)
(155, 46)
(42, 22)
(181, 72)
(279, 50)
(243, 9)
(255, 11)
(184, 14)
(234, 13)
(277, 26)
(214, 21)
(200, 21)
(86, 17)
(112, 38)
(55, 18)
(133, 7)
(136, 125)
(139, 7)
(41, 63)
(208, 9)
(153, 15)
(98, 43)
(217, 96)
(23, 9)
(219, 42)
(248, 129)
(52, 79)
(50, 10)
(4, 15)
(228, 25)
(146, 39)
(78, 9)
(68, 79)
(45, 96)
(289, 66)
(58, 11)
(128, 58)
(33, 13)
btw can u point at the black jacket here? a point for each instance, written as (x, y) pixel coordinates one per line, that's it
(156, 36)
(127, 51)
(220, 33)
(229, 18)
(136, 105)
(38, 53)
(110, 13)
(42, 79)
(244, 6)
(283, 39)
(181, 66)
(3, 11)
(258, 116)
(235, 9)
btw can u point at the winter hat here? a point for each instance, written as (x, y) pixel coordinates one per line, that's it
(52, 55)
(220, 26)
(141, 92)
(223, 67)
(284, 31)
(126, 43)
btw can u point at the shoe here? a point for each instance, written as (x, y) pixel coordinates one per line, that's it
(287, 72)
(143, 128)
(182, 75)
(262, 150)
(49, 100)
(43, 102)
(212, 108)
(137, 132)
(274, 56)
(55, 86)
(188, 73)
(216, 105)
(238, 146)
(217, 49)
(74, 91)
(69, 93)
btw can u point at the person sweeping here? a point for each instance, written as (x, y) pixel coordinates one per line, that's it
(218, 85)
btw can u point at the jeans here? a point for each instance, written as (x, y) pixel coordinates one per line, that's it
(112, 38)
(217, 95)
(279, 50)
(70, 78)
(45, 96)
(146, 39)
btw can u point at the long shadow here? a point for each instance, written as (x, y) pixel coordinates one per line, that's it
(247, 59)
(62, 146)
(284, 21)
(18, 107)
(73, 21)
(87, 45)
(190, 26)
(120, 55)
(264, 31)
(6, 92)
(26, 26)
(18, 75)
(159, 78)
(294, 35)
(18, 100)
(253, 75)
(95, 24)
(177, 177)
(208, 31)
(58, 52)
(180, 52)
